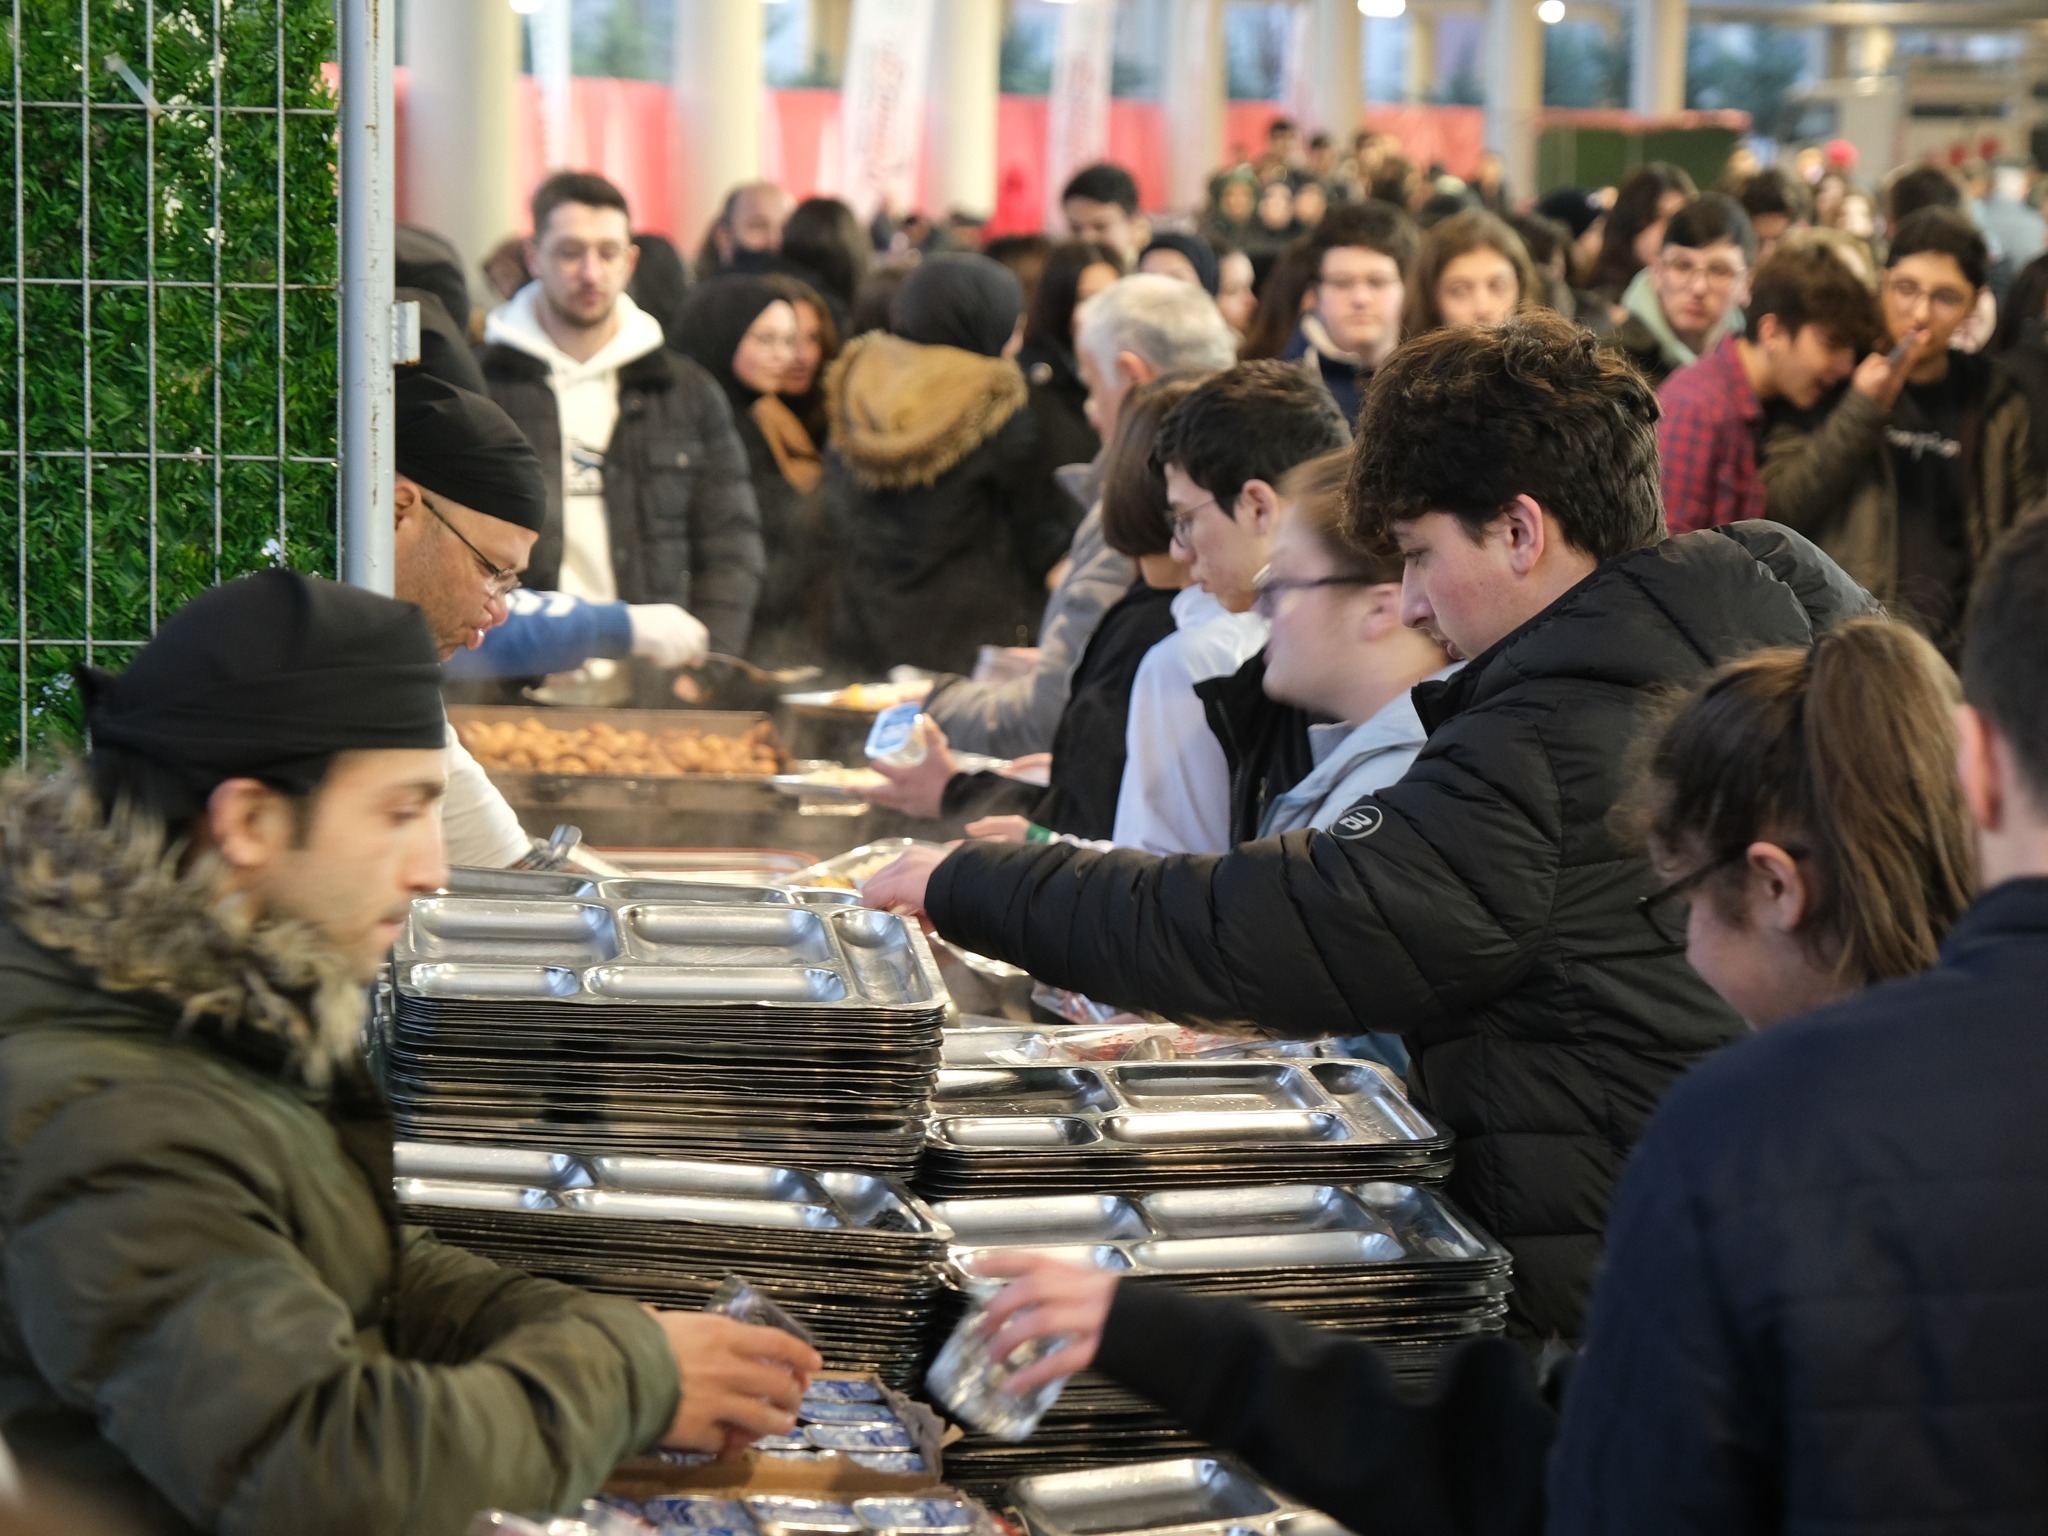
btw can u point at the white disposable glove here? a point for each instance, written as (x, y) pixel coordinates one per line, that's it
(667, 636)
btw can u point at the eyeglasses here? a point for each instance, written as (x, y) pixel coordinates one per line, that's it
(501, 583)
(1909, 293)
(1668, 910)
(1180, 519)
(1685, 271)
(1266, 588)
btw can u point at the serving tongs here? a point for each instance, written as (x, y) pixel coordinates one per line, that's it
(780, 677)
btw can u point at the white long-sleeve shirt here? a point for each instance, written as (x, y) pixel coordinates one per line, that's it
(478, 827)
(1175, 795)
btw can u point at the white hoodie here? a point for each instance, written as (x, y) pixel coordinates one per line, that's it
(587, 398)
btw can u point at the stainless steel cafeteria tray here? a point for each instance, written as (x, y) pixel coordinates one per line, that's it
(1190, 1496)
(1284, 1227)
(657, 1189)
(1132, 1106)
(638, 941)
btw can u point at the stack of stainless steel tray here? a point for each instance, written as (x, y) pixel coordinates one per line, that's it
(856, 1257)
(1000, 1130)
(1190, 1496)
(1394, 1263)
(660, 1017)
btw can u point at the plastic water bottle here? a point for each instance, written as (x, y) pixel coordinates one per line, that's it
(974, 1385)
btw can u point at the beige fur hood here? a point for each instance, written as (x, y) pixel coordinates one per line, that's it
(902, 414)
(110, 899)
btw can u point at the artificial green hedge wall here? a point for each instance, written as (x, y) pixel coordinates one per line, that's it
(168, 323)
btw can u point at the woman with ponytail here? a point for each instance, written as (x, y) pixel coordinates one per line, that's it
(1805, 812)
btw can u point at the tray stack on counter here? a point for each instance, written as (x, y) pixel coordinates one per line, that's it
(1190, 1495)
(1393, 1263)
(666, 1018)
(1134, 1126)
(855, 1257)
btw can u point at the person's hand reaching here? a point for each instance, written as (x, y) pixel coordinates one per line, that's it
(920, 789)
(900, 887)
(740, 1382)
(1000, 829)
(1047, 1299)
(668, 636)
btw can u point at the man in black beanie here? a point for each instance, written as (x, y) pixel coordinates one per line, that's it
(209, 1315)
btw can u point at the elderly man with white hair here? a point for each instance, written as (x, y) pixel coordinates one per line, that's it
(1137, 330)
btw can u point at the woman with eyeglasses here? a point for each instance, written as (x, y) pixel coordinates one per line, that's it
(1806, 807)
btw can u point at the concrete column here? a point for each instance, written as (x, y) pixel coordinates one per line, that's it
(1194, 100)
(1336, 66)
(718, 106)
(1514, 88)
(1657, 75)
(463, 125)
(1421, 84)
(960, 130)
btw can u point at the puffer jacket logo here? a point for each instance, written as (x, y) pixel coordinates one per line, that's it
(1360, 821)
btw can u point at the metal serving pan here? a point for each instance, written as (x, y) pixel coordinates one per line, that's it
(491, 1178)
(1197, 1491)
(1117, 1109)
(628, 947)
(574, 791)
(1277, 1227)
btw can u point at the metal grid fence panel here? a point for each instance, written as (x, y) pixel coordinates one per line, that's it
(168, 323)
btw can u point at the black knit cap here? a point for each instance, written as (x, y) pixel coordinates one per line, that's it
(266, 678)
(463, 446)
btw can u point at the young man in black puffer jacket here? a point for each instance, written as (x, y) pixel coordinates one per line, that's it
(1481, 906)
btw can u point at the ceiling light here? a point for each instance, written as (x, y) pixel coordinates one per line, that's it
(1381, 10)
(1550, 12)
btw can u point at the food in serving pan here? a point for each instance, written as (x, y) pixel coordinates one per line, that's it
(533, 746)
(873, 696)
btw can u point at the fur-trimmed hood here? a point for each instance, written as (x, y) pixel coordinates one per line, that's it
(902, 414)
(109, 909)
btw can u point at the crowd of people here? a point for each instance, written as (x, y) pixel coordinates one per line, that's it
(1587, 656)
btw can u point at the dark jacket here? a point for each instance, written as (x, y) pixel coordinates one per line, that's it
(1319, 1416)
(1828, 1269)
(1311, 351)
(1088, 748)
(1636, 342)
(678, 500)
(1264, 741)
(944, 514)
(2025, 362)
(1482, 906)
(1829, 473)
(210, 1316)
(1059, 400)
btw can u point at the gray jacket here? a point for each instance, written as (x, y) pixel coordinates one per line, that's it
(1018, 715)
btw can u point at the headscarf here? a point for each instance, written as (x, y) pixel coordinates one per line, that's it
(957, 300)
(714, 322)
(266, 678)
(463, 446)
(1200, 253)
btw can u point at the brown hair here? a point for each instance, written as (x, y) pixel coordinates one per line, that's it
(1281, 298)
(1804, 284)
(1134, 513)
(1314, 492)
(1848, 750)
(1462, 233)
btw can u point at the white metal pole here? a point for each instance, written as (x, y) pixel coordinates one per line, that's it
(552, 43)
(367, 208)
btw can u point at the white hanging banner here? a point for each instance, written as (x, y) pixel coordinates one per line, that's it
(1077, 113)
(882, 105)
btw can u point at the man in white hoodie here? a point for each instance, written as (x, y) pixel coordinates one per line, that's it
(648, 495)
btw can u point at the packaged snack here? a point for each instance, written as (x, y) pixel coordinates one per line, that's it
(859, 1437)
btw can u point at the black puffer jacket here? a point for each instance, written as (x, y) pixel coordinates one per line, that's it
(677, 497)
(1482, 906)
(1264, 741)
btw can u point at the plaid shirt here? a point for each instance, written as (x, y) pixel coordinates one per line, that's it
(1706, 443)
